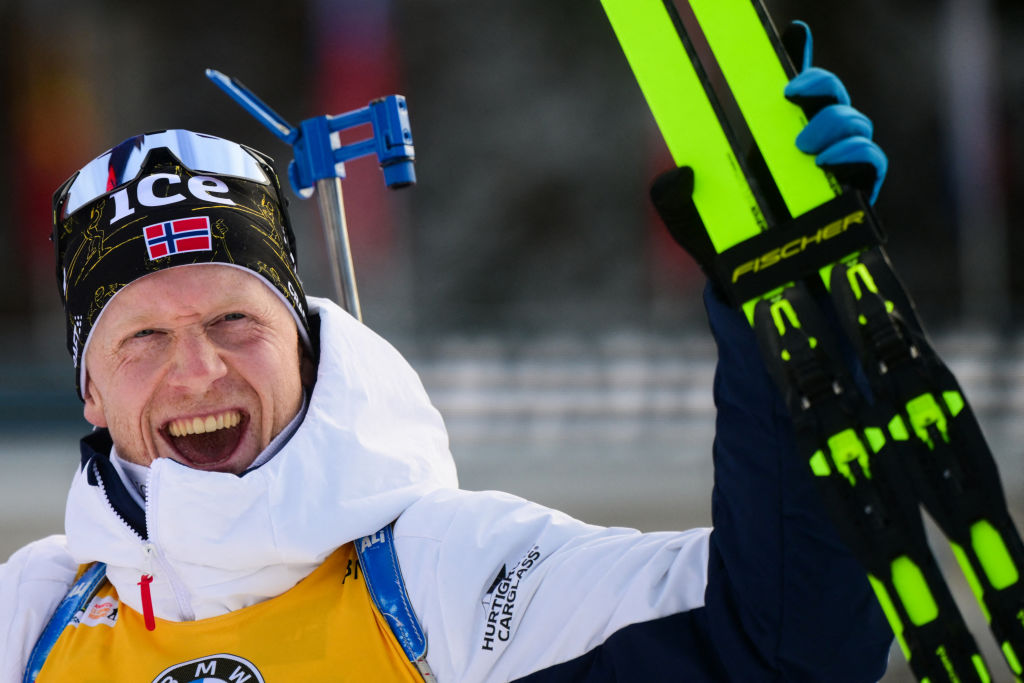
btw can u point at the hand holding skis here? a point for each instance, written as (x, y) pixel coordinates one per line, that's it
(837, 133)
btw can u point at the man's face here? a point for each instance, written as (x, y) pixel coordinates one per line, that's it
(200, 364)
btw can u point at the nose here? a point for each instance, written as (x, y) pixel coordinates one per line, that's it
(197, 363)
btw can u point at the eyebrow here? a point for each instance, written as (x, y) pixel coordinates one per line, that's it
(229, 305)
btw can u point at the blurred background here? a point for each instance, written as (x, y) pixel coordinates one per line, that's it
(558, 330)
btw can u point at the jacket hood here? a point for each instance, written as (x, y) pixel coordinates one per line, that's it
(370, 445)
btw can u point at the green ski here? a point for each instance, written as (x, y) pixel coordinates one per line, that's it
(713, 73)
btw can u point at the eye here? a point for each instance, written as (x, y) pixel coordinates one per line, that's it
(234, 316)
(144, 333)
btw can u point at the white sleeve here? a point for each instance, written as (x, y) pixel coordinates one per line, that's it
(504, 587)
(32, 582)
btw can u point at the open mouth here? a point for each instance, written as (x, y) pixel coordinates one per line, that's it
(206, 441)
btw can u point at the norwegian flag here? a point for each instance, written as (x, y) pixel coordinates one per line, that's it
(177, 237)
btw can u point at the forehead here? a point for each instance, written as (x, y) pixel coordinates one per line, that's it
(188, 291)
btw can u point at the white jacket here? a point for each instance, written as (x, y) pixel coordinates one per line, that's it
(371, 449)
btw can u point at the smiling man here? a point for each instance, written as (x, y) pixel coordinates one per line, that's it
(201, 365)
(269, 496)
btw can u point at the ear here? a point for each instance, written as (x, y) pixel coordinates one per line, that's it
(93, 410)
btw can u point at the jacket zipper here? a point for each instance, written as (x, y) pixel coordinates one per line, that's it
(178, 589)
(152, 554)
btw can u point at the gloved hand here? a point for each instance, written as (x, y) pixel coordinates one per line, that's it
(839, 136)
(837, 133)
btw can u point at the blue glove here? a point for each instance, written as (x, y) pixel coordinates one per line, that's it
(837, 133)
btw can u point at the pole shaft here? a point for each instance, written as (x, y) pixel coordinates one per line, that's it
(339, 252)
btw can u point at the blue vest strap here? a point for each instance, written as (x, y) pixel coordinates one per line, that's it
(383, 577)
(81, 592)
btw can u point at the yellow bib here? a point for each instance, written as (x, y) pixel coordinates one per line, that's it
(326, 628)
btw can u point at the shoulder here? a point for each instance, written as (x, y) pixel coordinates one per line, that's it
(36, 571)
(32, 582)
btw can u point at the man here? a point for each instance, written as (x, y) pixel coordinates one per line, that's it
(253, 445)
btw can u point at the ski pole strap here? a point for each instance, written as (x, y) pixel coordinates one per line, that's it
(81, 592)
(384, 581)
(798, 249)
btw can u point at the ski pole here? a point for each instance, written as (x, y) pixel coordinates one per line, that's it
(320, 162)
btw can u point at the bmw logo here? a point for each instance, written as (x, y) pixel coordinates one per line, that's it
(211, 669)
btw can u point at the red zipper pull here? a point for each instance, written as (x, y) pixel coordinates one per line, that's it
(147, 602)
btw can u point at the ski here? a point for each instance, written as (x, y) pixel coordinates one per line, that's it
(885, 434)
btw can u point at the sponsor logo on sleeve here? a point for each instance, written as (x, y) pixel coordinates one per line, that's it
(211, 669)
(499, 602)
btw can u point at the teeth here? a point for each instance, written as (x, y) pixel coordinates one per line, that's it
(200, 425)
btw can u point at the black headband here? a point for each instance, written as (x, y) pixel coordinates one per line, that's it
(170, 216)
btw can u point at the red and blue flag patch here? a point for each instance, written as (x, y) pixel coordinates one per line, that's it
(178, 237)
